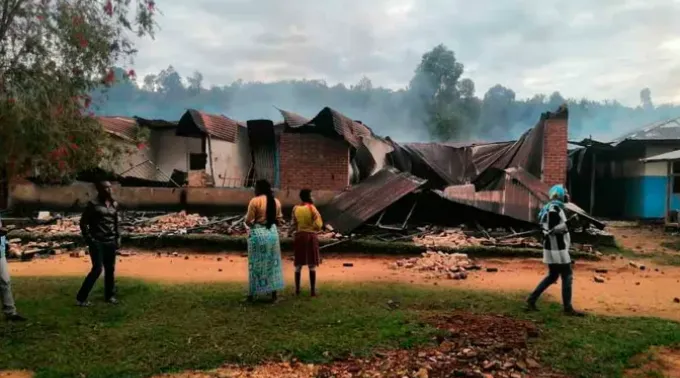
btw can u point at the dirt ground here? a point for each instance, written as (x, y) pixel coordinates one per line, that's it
(626, 291)
(663, 362)
(642, 239)
(16, 374)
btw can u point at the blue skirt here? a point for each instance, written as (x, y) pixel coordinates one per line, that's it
(265, 270)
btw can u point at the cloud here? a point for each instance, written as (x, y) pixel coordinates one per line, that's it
(609, 49)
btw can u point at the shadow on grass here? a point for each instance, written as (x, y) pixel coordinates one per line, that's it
(160, 328)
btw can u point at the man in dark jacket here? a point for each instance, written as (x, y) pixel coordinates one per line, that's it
(99, 227)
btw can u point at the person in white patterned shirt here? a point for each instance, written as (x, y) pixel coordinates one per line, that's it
(556, 244)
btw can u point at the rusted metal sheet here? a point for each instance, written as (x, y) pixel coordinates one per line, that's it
(194, 123)
(519, 195)
(352, 208)
(456, 164)
(330, 120)
(122, 127)
(515, 198)
(293, 119)
(330, 123)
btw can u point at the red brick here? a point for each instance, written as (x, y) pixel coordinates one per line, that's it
(555, 151)
(313, 161)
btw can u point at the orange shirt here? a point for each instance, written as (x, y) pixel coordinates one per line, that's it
(257, 211)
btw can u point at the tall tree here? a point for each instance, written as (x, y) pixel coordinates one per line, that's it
(497, 107)
(646, 99)
(53, 53)
(437, 92)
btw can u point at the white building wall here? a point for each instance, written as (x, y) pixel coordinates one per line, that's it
(171, 152)
(657, 168)
(230, 162)
(379, 149)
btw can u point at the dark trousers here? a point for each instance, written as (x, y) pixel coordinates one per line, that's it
(556, 271)
(103, 256)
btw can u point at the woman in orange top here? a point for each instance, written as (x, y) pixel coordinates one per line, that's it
(306, 223)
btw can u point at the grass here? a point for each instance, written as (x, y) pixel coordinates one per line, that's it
(161, 328)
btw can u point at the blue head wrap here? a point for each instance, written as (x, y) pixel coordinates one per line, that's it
(556, 195)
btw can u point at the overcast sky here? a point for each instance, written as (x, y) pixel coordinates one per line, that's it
(583, 48)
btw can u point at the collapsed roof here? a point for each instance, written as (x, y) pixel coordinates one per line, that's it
(499, 178)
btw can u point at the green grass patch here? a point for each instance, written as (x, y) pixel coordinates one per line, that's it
(161, 328)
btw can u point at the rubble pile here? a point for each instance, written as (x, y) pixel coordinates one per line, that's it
(433, 237)
(451, 265)
(61, 226)
(169, 222)
(27, 250)
(451, 238)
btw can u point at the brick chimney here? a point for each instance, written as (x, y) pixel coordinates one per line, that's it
(555, 131)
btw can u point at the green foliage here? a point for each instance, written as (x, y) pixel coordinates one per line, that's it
(53, 53)
(444, 102)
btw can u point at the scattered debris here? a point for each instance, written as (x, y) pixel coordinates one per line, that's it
(601, 271)
(676, 300)
(454, 266)
(348, 265)
(599, 279)
(492, 270)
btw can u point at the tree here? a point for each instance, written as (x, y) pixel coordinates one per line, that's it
(497, 107)
(195, 83)
(646, 99)
(437, 92)
(53, 54)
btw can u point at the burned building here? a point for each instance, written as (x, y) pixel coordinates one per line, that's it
(357, 176)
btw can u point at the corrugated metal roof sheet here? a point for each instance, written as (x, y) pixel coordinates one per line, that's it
(352, 208)
(662, 130)
(520, 195)
(217, 126)
(122, 127)
(347, 128)
(668, 156)
(293, 119)
(457, 164)
(329, 122)
(513, 198)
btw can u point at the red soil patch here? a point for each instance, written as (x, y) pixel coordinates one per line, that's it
(470, 346)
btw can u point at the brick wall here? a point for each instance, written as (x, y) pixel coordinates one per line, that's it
(313, 161)
(555, 150)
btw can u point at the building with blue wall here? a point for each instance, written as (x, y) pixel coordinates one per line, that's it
(623, 185)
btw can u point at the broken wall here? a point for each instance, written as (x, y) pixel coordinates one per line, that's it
(131, 162)
(230, 161)
(172, 152)
(313, 161)
(27, 196)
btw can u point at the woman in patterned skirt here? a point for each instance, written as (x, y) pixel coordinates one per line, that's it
(265, 275)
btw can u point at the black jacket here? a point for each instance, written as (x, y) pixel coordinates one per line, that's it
(99, 223)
